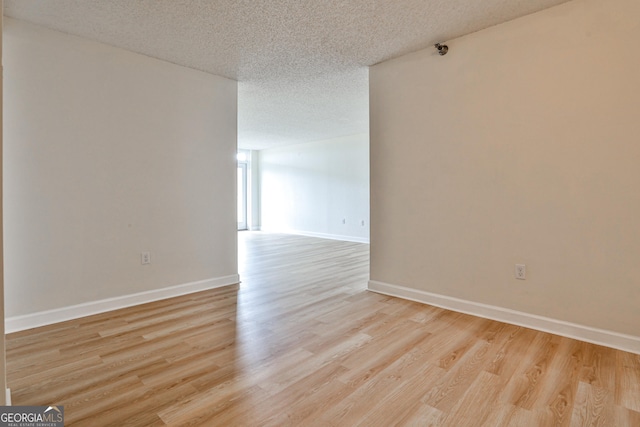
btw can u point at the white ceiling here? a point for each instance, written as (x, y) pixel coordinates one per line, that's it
(301, 64)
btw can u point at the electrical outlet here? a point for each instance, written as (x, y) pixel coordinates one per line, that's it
(145, 258)
(521, 271)
(344, 220)
(362, 223)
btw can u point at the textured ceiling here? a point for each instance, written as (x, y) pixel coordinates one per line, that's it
(301, 64)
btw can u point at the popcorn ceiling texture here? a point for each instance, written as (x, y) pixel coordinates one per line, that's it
(301, 64)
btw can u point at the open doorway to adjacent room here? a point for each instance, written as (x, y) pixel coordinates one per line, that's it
(248, 205)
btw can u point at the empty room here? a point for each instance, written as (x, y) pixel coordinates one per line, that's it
(340, 213)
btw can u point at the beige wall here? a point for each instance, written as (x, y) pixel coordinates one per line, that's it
(107, 154)
(522, 145)
(3, 375)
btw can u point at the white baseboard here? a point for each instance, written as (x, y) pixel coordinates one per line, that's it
(341, 237)
(28, 321)
(603, 337)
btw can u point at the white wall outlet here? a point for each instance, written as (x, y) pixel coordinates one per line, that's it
(362, 223)
(521, 271)
(344, 220)
(145, 258)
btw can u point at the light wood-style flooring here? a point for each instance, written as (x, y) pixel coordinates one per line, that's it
(302, 343)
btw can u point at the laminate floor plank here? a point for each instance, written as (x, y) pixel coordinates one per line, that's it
(301, 342)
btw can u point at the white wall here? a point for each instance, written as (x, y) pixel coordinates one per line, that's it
(519, 146)
(254, 191)
(109, 153)
(310, 188)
